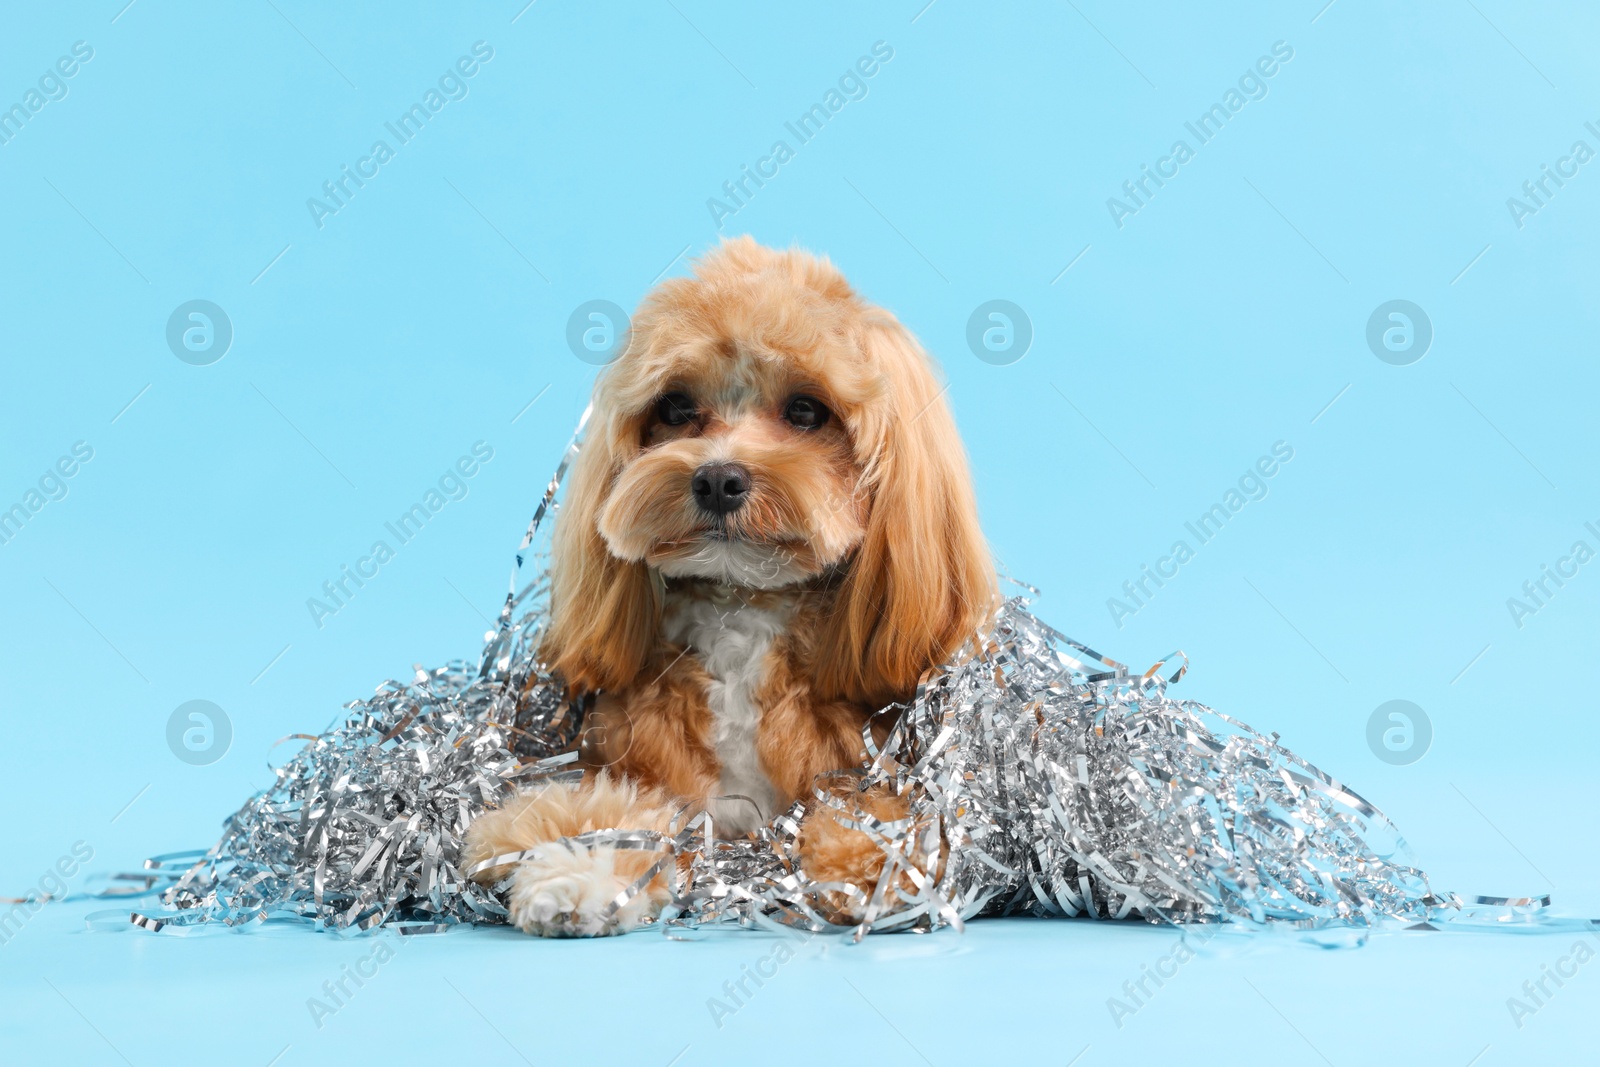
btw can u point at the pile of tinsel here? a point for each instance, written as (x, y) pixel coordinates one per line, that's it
(1060, 782)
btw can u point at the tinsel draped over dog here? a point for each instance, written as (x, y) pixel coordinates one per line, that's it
(1062, 783)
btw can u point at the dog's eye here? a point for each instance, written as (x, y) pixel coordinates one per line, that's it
(675, 409)
(805, 413)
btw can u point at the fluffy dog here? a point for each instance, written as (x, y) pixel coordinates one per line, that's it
(768, 537)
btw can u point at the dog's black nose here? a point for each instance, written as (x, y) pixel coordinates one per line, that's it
(720, 488)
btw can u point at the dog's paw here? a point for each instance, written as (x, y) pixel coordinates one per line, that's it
(568, 890)
(832, 852)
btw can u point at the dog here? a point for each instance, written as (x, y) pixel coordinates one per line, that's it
(769, 536)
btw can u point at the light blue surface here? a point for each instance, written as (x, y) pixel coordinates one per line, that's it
(1228, 313)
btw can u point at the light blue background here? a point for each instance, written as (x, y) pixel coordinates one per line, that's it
(430, 311)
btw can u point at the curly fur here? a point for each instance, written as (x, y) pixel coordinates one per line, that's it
(855, 565)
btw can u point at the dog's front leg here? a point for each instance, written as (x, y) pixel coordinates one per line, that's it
(565, 887)
(831, 851)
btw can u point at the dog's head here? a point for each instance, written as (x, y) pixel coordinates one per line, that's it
(766, 428)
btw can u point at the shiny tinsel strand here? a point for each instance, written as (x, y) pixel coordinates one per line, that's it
(1052, 782)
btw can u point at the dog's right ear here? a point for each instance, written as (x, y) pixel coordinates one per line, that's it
(921, 583)
(604, 612)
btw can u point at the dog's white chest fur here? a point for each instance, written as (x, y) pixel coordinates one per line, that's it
(731, 640)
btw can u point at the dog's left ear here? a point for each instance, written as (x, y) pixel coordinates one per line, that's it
(604, 612)
(921, 582)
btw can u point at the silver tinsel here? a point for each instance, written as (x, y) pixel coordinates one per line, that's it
(1052, 782)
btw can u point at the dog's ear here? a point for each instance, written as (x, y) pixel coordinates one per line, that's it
(921, 581)
(604, 612)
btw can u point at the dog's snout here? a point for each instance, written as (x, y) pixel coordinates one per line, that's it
(720, 488)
